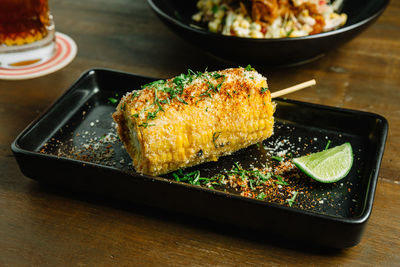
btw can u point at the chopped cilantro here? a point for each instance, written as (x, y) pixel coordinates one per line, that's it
(291, 201)
(216, 75)
(134, 94)
(190, 72)
(263, 177)
(123, 106)
(191, 178)
(214, 9)
(327, 145)
(181, 100)
(249, 68)
(261, 196)
(215, 137)
(145, 124)
(277, 158)
(219, 87)
(154, 84)
(151, 115)
(211, 86)
(176, 176)
(112, 100)
(280, 180)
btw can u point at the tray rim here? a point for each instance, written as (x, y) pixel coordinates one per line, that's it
(371, 188)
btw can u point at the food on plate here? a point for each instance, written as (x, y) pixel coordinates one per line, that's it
(270, 18)
(329, 165)
(278, 179)
(194, 118)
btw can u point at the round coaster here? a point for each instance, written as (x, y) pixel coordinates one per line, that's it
(66, 50)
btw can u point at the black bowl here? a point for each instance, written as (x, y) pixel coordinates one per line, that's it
(176, 14)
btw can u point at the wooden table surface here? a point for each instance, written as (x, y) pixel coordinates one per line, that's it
(41, 225)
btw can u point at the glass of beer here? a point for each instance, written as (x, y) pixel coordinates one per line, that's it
(27, 34)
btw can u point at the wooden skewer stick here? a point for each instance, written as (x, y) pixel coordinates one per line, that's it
(294, 88)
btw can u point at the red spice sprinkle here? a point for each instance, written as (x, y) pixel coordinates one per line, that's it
(260, 183)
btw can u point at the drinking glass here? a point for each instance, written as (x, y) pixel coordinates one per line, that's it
(27, 34)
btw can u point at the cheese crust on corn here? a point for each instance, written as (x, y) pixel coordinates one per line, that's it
(194, 118)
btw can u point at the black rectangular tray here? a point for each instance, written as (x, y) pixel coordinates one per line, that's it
(335, 217)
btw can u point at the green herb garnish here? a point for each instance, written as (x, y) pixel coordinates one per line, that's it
(151, 115)
(146, 124)
(249, 68)
(112, 100)
(277, 158)
(261, 196)
(211, 86)
(214, 9)
(191, 178)
(280, 180)
(215, 137)
(157, 83)
(206, 93)
(181, 100)
(264, 89)
(123, 106)
(261, 176)
(291, 201)
(216, 75)
(134, 94)
(327, 145)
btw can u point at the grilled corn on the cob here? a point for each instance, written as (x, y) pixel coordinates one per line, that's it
(194, 118)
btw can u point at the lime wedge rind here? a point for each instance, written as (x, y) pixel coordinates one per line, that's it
(322, 162)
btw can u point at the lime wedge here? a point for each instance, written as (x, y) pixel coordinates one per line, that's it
(327, 166)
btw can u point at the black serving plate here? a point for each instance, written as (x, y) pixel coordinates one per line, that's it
(268, 52)
(74, 145)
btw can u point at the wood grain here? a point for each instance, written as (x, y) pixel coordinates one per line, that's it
(44, 226)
